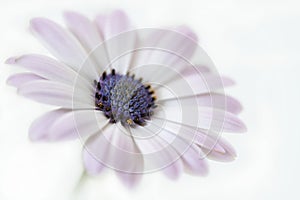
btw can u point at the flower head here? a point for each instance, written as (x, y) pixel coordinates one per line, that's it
(141, 100)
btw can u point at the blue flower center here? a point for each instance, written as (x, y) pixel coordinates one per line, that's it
(123, 98)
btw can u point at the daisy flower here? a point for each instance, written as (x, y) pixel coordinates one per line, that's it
(140, 100)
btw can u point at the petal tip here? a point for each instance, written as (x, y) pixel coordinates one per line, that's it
(37, 24)
(187, 31)
(243, 127)
(130, 181)
(68, 14)
(92, 166)
(119, 13)
(11, 60)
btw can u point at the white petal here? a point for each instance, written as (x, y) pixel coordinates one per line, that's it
(77, 124)
(85, 31)
(227, 156)
(191, 157)
(129, 180)
(17, 80)
(174, 170)
(191, 86)
(205, 118)
(116, 150)
(88, 35)
(91, 164)
(158, 154)
(113, 24)
(96, 151)
(64, 46)
(194, 161)
(56, 94)
(45, 67)
(169, 49)
(118, 41)
(39, 129)
(60, 42)
(214, 100)
(191, 135)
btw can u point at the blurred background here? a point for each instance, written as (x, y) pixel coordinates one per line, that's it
(254, 42)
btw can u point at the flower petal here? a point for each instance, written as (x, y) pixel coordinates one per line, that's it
(88, 35)
(191, 135)
(91, 164)
(207, 118)
(174, 170)
(17, 80)
(129, 180)
(55, 93)
(215, 100)
(113, 24)
(65, 124)
(114, 149)
(39, 129)
(96, 151)
(167, 49)
(158, 153)
(194, 162)
(84, 30)
(65, 47)
(45, 67)
(77, 124)
(194, 69)
(227, 156)
(189, 153)
(59, 42)
(117, 44)
(191, 86)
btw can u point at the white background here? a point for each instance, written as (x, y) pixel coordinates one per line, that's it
(254, 42)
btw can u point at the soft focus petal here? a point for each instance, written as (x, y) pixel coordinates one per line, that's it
(227, 156)
(169, 48)
(159, 154)
(59, 42)
(121, 153)
(88, 35)
(192, 158)
(39, 129)
(94, 158)
(77, 124)
(174, 170)
(194, 161)
(54, 93)
(64, 46)
(191, 135)
(215, 100)
(17, 80)
(191, 86)
(194, 69)
(208, 118)
(84, 30)
(45, 67)
(63, 124)
(129, 180)
(91, 164)
(111, 26)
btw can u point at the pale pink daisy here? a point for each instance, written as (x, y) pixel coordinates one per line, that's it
(140, 100)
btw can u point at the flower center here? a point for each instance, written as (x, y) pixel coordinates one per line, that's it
(123, 98)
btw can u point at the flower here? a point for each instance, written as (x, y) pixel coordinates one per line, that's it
(141, 100)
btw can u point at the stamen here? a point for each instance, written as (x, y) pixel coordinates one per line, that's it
(103, 75)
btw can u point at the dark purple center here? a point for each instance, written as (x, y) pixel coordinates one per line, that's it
(123, 98)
